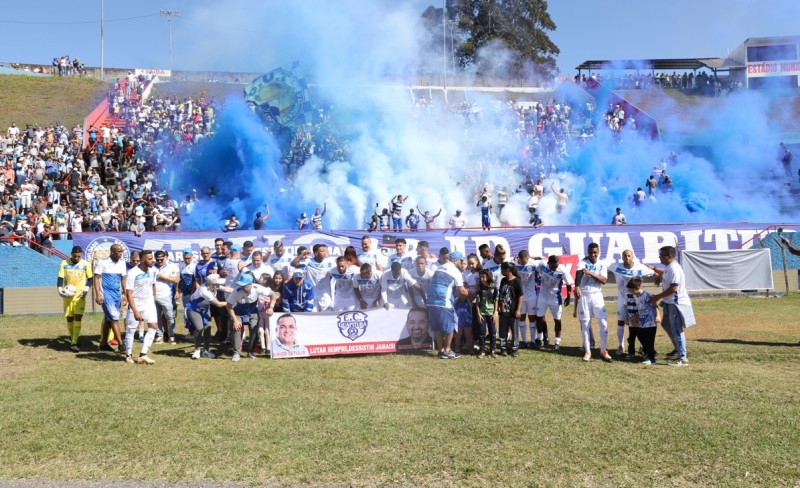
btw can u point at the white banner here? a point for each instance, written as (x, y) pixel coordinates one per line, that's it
(373, 331)
(743, 269)
(152, 72)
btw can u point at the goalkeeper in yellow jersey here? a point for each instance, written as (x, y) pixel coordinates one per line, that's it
(74, 281)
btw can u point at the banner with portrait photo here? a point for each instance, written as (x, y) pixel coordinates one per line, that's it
(375, 331)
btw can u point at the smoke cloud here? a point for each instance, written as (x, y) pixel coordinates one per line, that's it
(727, 170)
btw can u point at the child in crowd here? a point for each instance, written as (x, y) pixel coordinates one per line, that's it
(644, 315)
(487, 304)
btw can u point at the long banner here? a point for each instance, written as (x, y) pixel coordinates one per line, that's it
(644, 240)
(375, 331)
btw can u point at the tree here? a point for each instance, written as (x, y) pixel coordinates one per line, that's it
(521, 26)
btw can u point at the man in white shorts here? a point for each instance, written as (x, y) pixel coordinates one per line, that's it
(527, 269)
(623, 273)
(553, 275)
(140, 284)
(591, 276)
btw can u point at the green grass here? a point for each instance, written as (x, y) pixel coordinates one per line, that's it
(47, 100)
(730, 419)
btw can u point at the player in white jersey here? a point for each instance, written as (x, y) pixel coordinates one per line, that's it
(396, 287)
(280, 260)
(341, 284)
(315, 272)
(108, 293)
(369, 256)
(527, 269)
(494, 264)
(591, 276)
(261, 271)
(552, 276)
(623, 272)
(422, 274)
(367, 287)
(166, 296)
(140, 284)
(401, 256)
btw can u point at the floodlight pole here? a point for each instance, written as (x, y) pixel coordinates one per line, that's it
(102, 23)
(169, 14)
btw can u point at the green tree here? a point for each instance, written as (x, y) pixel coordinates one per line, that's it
(522, 26)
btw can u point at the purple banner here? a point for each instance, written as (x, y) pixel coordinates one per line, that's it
(644, 240)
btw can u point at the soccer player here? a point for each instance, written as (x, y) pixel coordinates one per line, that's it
(168, 278)
(280, 260)
(368, 255)
(315, 272)
(341, 283)
(527, 269)
(140, 289)
(108, 294)
(74, 272)
(367, 287)
(401, 256)
(422, 274)
(486, 216)
(395, 287)
(678, 312)
(591, 276)
(622, 274)
(553, 275)
(446, 284)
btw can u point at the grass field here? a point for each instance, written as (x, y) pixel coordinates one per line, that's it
(543, 419)
(47, 100)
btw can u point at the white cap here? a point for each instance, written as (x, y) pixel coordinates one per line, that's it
(214, 279)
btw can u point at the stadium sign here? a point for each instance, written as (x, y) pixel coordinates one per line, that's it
(153, 72)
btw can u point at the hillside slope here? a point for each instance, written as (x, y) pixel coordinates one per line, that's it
(46, 100)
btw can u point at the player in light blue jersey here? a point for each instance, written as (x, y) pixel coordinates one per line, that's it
(447, 283)
(108, 294)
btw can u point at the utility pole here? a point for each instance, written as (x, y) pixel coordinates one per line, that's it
(169, 14)
(102, 22)
(444, 44)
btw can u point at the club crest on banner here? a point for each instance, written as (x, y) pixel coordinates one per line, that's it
(101, 248)
(352, 324)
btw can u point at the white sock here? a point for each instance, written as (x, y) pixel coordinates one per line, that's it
(540, 336)
(523, 331)
(534, 335)
(130, 336)
(621, 335)
(585, 324)
(149, 337)
(558, 340)
(603, 334)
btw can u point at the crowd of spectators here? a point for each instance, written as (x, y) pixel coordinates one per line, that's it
(53, 185)
(64, 66)
(703, 83)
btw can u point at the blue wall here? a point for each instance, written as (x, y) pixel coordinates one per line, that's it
(22, 268)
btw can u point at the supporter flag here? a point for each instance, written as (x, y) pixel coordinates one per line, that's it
(282, 95)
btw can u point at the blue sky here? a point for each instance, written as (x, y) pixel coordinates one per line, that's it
(136, 36)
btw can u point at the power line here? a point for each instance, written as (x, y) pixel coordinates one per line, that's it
(81, 22)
